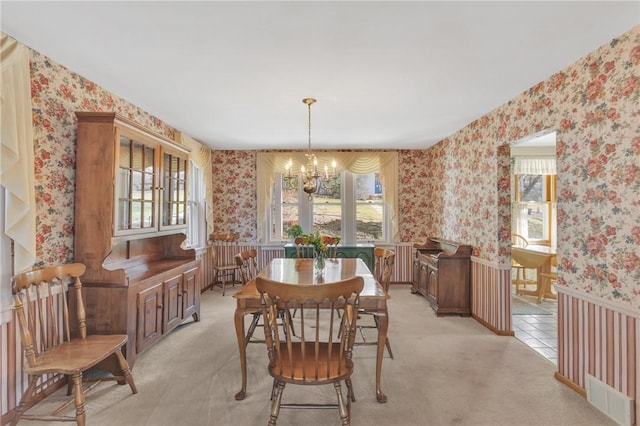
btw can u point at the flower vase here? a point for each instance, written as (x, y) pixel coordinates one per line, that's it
(318, 263)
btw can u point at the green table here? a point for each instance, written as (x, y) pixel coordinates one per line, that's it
(361, 251)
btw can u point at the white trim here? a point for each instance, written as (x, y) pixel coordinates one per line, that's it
(501, 267)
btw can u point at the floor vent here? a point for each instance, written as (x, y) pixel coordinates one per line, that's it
(613, 403)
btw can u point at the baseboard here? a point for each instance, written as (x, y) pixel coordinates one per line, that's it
(562, 379)
(492, 328)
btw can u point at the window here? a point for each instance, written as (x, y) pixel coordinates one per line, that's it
(361, 206)
(534, 201)
(351, 207)
(196, 207)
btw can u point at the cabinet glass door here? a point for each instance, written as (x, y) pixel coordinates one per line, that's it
(174, 190)
(136, 177)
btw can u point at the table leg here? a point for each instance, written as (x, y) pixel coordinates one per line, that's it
(382, 339)
(239, 322)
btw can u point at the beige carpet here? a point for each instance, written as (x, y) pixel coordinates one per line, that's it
(446, 371)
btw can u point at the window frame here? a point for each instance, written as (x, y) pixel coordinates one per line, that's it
(549, 183)
(305, 211)
(196, 208)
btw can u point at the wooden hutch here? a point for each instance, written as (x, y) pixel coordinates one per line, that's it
(130, 223)
(442, 274)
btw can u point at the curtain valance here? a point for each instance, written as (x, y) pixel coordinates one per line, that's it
(534, 166)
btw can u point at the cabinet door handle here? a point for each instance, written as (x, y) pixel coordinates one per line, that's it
(159, 307)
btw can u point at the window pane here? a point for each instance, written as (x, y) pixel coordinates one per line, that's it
(289, 191)
(369, 207)
(289, 218)
(530, 187)
(538, 216)
(327, 208)
(327, 214)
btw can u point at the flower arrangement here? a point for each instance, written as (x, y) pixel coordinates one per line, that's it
(319, 242)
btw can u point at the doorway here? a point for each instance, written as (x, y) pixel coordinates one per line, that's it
(533, 195)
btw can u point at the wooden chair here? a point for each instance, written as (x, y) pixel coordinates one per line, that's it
(322, 351)
(247, 264)
(332, 251)
(50, 349)
(521, 275)
(223, 270)
(248, 267)
(303, 250)
(384, 260)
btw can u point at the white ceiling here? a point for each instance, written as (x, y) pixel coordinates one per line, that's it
(386, 74)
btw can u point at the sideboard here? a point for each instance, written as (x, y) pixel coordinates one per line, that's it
(362, 251)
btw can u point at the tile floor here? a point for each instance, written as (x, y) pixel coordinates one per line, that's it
(540, 332)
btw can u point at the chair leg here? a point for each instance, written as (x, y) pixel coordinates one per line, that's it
(342, 407)
(351, 395)
(79, 399)
(252, 328)
(275, 403)
(25, 401)
(126, 371)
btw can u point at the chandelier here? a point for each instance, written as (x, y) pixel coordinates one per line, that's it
(311, 178)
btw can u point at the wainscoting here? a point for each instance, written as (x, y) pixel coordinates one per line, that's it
(596, 337)
(599, 338)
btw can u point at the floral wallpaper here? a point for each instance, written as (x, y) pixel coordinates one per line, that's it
(56, 94)
(458, 189)
(235, 193)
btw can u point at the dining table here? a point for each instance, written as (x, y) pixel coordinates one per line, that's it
(538, 257)
(301, 272)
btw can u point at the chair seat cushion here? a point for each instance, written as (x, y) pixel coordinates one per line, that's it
(78, 355)
(328, 369)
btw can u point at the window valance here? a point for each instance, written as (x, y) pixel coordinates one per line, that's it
(534, 166)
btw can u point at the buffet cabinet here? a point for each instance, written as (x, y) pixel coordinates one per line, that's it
(442, 274)
(130, 224)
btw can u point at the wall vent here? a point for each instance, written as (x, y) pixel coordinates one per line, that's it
(611, 402)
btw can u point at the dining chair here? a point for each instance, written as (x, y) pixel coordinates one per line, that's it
(384, 260)
(55, 342)
(248, 266)
(322, 351)
(225, 269)
(303, 249)
(521, 275)
(332, 251)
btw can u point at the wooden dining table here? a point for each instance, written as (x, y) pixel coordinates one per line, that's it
(536, 257)
(301, 271)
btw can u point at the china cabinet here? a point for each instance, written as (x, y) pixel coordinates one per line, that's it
(130, 224)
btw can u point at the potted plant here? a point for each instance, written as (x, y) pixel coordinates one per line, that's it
(295, 231)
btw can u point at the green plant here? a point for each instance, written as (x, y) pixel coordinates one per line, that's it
(295, 231)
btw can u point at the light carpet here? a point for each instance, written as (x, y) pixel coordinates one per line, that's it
(446, 371)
